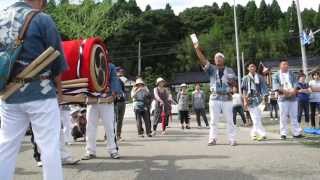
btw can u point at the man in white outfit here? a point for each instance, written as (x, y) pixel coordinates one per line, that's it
(254, 89)
(222, 79)
(285, 83)
(36, 102)
(66, 156)
(106, 113)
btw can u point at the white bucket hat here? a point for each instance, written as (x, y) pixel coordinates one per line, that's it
(183, 85)
(160, 79)
(139, 81)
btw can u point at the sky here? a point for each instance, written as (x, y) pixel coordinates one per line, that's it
(180, 5)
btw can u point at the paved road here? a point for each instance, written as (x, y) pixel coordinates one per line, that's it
(184, 155)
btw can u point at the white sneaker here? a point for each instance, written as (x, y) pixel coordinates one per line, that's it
(70, 161)
(39, 164)
(154, 133)
(212, 142)
(233, 143)
(115, 155)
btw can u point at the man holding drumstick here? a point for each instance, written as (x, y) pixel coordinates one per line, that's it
(222, 79)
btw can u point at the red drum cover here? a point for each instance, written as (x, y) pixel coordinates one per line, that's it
(87, 59)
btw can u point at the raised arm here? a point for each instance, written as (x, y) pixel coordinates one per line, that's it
(202, 59)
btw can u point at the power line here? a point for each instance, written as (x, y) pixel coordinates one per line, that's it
(124, 59)
(143, 50)
(112, 45)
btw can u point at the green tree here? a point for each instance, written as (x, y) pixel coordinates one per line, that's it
(276, 14)
(250, 17)
(262, 17)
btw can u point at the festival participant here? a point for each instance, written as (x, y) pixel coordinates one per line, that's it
(183, 106)
(303, 98)
(66, 123)
(254, 89)
(198, 104)
(36, 101)
(222, 79)
(163, 99)
(120, 102)
(79, 123)
(285, 83)
(314, 97)
(106, 113)
(66, 156)
(141, 104)
(273, 102)
(237, 106)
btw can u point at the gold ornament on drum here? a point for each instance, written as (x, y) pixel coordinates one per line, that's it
(98, 67)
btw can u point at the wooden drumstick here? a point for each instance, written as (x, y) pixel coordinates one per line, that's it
(75, 81)
(36, 62)
(29, 74)
(31, 66)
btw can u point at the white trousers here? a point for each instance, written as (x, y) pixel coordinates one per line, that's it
(45, 121)
(289, 109)
(65, 153)
(257, 128)
(67, 125)
(105, 112)
(215, 108)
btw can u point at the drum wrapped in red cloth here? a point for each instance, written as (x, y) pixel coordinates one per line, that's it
(87, 59)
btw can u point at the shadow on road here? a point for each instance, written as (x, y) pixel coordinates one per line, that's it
(164, 167)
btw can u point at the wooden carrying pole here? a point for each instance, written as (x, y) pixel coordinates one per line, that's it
(76, 85)
(30, 71)
(75, 81)
(81, 98)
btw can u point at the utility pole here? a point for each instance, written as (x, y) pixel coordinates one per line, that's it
(243, 67)
(139, 59)
(237, 45)
(303, 49)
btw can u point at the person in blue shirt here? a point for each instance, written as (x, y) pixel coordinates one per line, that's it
(120, 102)
(106, 113)
(222, 79)
(303, 98)
(285, 83)
(37, 100)
(254, 89)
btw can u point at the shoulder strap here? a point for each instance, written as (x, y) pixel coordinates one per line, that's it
(26, 26)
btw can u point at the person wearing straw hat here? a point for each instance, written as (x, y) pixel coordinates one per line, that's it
(222, 79)
(141, 104)
(163, 99)
(254, 89)
(183, 106)
(37, 100)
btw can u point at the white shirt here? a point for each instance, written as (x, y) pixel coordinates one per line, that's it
(285, 80)
(314, 96)
(236, 99)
